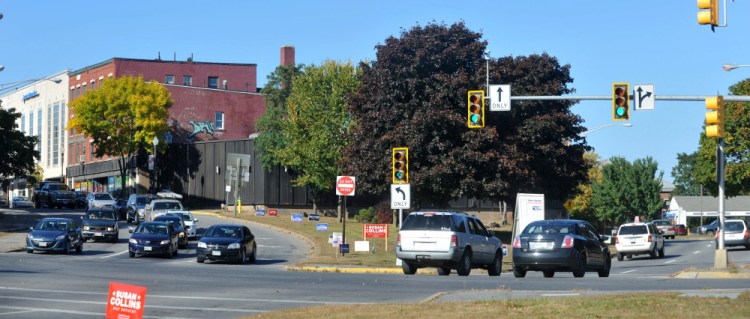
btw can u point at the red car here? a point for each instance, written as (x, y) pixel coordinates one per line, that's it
(680, 230)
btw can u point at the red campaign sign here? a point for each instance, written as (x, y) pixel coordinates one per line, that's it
(125, 301)
(345, 185)
(375, 230)
(273, 212)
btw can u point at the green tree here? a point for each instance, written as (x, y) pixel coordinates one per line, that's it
(627, 190)
(579, 205)
(415, 95)
(736, 149)
(18, 152)
(316, 123)
(121, 115)
(271, 139)
(684, 175)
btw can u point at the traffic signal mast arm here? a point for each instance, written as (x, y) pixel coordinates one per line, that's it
(730, 98)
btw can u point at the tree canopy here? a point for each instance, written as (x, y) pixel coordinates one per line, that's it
(627, 190)
(121, 115)
(415, 95)
(579, 205)
(18, 152)
(685, 182)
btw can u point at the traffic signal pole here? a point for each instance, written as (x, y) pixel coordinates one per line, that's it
(730, 98)
(720, 258)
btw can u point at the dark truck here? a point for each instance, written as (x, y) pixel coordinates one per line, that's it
(54, 195)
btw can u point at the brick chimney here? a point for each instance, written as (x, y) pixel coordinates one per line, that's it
(287, 55)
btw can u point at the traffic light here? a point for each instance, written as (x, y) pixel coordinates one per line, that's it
(475, 109)
(710, 16)
(715, 117)
(620, 101)
(400, 164)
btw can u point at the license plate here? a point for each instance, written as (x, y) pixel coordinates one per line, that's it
(43, 244)
(147, 248)
(216, 253)
(540, 245)
(98, 234)
(424, 245)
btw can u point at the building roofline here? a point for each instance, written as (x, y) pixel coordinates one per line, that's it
(111, 60)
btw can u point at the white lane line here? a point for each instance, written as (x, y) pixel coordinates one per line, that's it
(67, 301)
(31, 309)
(560, 295)
(697, 252)
(671, 261)
(625, 272)
(113, 254)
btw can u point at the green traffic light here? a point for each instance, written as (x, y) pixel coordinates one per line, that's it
(620, 111)
(475, 118)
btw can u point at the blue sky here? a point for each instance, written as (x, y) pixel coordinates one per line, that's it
(637, 41)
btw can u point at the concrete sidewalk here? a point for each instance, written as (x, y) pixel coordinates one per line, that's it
(14, 225)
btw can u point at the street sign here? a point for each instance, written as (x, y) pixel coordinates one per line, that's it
(643, 97)
(400, 196)
(345, 185)
(500, 97)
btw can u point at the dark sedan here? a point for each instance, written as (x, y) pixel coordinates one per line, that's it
(100, 223)
(560, 245)
(153, 238)
(54, 234)
(121, 208)
(227, 243)
(179, 228)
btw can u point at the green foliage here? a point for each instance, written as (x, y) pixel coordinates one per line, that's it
(121, 115)
(17, 151)
(736, 149)
(627, 190)
(579, 206)
(366, 215)
(684, 175)
(414, 95)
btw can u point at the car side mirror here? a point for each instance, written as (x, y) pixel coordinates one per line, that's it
(661, 232)
(130, 230)
(195, 220)
(187, 227)
(31, 228)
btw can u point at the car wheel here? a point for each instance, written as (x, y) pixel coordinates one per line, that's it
(131, 254)
(519, 272)
(408, 268)
(30, 251)
(176, 251)
(661, 252)
(243, 257)
(116, 238)
(604, 272)
(128, 219)
(36, 204)
(620, 257)
(200, 259)
(495, 268)
(444, 271)
(252, 256)
(464, 265)
(652, 253)
(66, 250)
(580, 266)
(548, 273)
(79, 248)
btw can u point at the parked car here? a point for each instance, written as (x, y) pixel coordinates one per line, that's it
(54, 234)
(100, 223)
(447, 240)
(136, 209)
(551, 246)
(3, 202)
(99, 200)
(709, 229)
(191, 222)
(162, 206)
(80, 199)
(639, 238)
(179, 227)
(121, 208)
(736, 234)
(53, 194)
(20, 201)
(680, 230)
(153, 238)
(224, 242)
(665, 227)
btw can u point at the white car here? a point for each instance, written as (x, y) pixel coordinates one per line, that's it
(639, 238)
(161, 206)
(736, 234)
(99, 201)
(190, 221)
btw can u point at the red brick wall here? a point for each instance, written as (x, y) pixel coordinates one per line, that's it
(239, 77)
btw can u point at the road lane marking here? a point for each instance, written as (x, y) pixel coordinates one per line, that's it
(560, 295)
(68, 301)
(625, 272)
(671, 261)
(32, 309)
(697, 252)
(113, 254)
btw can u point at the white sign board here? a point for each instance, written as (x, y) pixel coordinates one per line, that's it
(529, 208)
(400, 196)
(500, 97)
(643, 97)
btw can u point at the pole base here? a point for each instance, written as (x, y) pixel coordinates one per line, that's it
(720, 259)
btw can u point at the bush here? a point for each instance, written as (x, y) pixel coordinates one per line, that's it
(366, 215)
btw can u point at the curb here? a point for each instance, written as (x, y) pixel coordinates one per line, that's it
(358, 270)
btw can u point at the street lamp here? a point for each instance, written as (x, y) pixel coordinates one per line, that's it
(586, 133)
(730, 67)
(155, 142)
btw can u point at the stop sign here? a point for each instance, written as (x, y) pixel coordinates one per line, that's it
(345, 185)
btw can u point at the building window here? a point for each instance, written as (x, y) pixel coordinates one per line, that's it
(169, 79)
(187, 80)
(73, 93)
(219, 123)
(55, 132)
(39, 130)
(23, 123)
(93, 84)
(213, 82)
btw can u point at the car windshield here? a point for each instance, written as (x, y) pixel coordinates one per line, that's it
(103, 197)
(167, 205)
(547, 229)
(661, 223)
(428, 222)
(141, 200)
(52, 225)
(54, 187)
(734, 227)
(174, 221)
(224, 232)
(151, 229)
(184, 216)
(19, 198)
(633, 230)
(102, 214)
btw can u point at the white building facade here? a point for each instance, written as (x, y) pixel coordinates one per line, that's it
(43, 105)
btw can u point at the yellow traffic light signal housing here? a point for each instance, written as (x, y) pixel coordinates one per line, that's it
(400, 165)
(475, 109)
(715, 117)
(620, 101)
(710, 16)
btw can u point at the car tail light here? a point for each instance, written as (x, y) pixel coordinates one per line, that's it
(650, 238)
(747, 235)
(398, 240)
(568, 242)
(516, 242)
(454, 241)
(617, 240)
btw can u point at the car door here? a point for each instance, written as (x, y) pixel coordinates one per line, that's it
(592, 243)
(478, 241)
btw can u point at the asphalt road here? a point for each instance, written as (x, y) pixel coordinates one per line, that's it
(76, 286)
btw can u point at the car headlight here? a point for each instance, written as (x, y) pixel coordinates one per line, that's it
(164, 242)
(110, 229)
(61, 237)
(234, 246)
(30, 236)
(182, 234)
(201, 244)
(85, 227)
(132, 241)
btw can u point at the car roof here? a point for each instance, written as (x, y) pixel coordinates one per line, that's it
(56, 219)
(635, 224)
(165, 200)
(154, 223)
(163, 217)
(558, 221)
(227, 225)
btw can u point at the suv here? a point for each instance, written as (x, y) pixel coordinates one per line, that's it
(709, 229)
(161, 206)
(100, 223)
(136, 207)
(447, 240)
(736, 234)
(666, 227)
(639, 238)
(54, 195)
